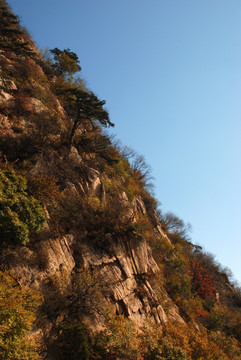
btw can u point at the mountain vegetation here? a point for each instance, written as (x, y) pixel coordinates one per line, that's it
(90, 266)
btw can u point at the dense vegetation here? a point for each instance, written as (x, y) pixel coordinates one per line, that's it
(50, 113)
(17, 314)
(20, 213)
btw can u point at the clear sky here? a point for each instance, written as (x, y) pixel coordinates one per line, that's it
(170, 72)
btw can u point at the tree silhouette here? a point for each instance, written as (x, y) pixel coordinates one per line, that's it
(65, 63)
(82, 105)
(86, 108)
(11, 34)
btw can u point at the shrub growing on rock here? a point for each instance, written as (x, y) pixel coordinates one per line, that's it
(19, 213)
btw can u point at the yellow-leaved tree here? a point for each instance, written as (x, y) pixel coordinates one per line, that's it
(18, 307)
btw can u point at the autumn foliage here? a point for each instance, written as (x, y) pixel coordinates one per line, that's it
(202, 281)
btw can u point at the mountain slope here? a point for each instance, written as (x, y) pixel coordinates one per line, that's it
(109, 276)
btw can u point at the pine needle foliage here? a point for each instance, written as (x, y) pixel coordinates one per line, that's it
(12, 37)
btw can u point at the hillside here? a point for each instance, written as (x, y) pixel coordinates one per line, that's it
(90, 266)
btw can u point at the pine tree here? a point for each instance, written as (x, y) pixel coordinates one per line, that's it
(86, 108)
(82, 105)
(11, 34)
(66, 63)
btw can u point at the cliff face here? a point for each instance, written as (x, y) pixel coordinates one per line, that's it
(124, 266)
(32, 123)
(104, 259)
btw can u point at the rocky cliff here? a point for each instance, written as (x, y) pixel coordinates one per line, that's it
(104, 252)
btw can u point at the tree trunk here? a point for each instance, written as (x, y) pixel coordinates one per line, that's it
(74, 128)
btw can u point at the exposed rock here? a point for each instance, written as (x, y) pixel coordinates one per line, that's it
(125, 273)
(57, 254)
(37, 106)
(124, 288)
(174, 314)
(75, 157)
(162, 316)
(5, 98)
(140, 207)
(32, 267)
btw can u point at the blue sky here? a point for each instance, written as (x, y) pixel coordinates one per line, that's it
(170, 72)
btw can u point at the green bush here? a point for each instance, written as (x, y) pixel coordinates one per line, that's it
(19, 212)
